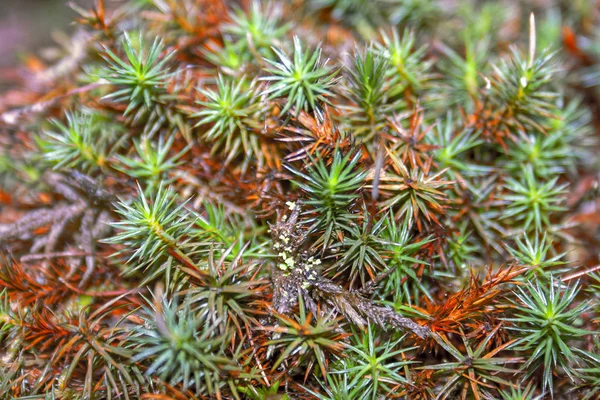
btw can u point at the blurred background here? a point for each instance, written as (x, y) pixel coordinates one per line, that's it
(28, 25)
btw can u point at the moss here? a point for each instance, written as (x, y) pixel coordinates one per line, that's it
(330, 199)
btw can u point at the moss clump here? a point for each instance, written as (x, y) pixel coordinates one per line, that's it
(307, 199)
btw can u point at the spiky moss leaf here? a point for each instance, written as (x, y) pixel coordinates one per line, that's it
(404, 282)
(521, 393)
(363, 250)
(259, 29)
(227, 292)
(231, 111)
(145, 84)
(368, 89)
(153, 231)
(373, 366)
(152, 164)
(331, 190)
(537, 254)
(530, 202)
(140, 78)
(304, 80)
(264, 392)
(306, 337)
(334, 387)
(85, 142)
(523, 87)
(182, 347)
(454, 148)
(407, 67)
(477, 371)
(414, 192)
(545, 318)
(424, 262)
(589, 375)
